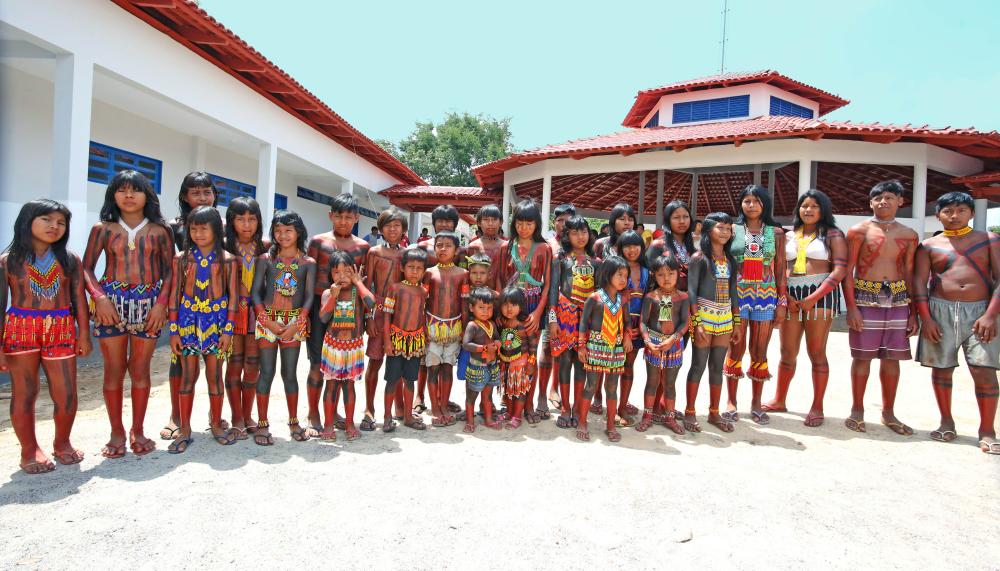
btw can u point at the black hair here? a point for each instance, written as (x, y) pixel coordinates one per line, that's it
(479, 259)
(238, 207)
(21, 248)
(666, 260)
(893, 186)
(609, 267)
(954, 199)
(620, 209)
(289, 218)
(205, 215)
(632, 238)
(196, 179)
(444, 212)
(688, 239)
(414, 254)
(564, 209)
(526, 210)
(482, 295)
(392, 214)
(448, 236)
(345, 202)
(515, 296)
(138, 181)
(340, 258)
(767, 205)
(707, 224)
(827, 221)
(488, 211)
(577, 223)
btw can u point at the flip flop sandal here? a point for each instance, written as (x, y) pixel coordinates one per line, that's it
(439, 422)
(74, 457)
(556, 403)
(631, 409)
(564, 422)
(514, 423)
(313, 431)
(167, 433)
(469, 428)
(989, 447)
(340, 423)
(596, 408)
(388, 427)
(624, 421)
(730, 416)
(241, 433)
(613, 435)
(367, 424)
(855, 425)
(353, 434)
(298, 435)
(531, 417)
(543, 414)
(722, 425)
(419, 409)
(899, 428)
(140, 449)
(227, 438)
(328, 436)
(692, 426)
(645, 424)
(583, 435)
(671, 423)
(113, 451)
(416, 424)
(943, 435)
(45, 468)
(261, 439)
(461, 416)
(175, 446)
(453, 407)
(760, 418)
(813, 421)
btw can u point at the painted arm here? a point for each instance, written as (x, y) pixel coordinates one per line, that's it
(369, 277)
(327, 303)
(588, 310)
(546, 285)
(694, 281)
(388, 307)
(166, 250)
(468, 341)
(95, 247)
(175, 292)
(83, 345)
(363, 291)
(911, 248)
(309, 293)
(3, 306)
(258, 290)
(838, 251)
(647, 309)
(655, 250)
(929, 328)
(986, 326)
(555, 278)
(780, 263)
(685, 313)
(232, 291)
(855, 241)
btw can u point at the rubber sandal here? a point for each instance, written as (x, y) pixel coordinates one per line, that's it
(943, 435)
(855, 425)
(367, 424)
(175, 446)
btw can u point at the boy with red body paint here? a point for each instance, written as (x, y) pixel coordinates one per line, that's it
(404, 336)
(447, 292)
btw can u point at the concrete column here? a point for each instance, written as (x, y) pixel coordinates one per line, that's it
(72, 96)
(694, 196)
(919, 197)
(508, 195)
(979, 220)
(414, 227)
(756, 174)
(659, 198)
(347, 186)
(267, 176)
(546, 202)
(770, 181)
(642, 197)
(805, 173)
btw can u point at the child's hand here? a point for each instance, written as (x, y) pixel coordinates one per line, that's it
(353, 276)
(700, 337)
(737, 335)
(157, 319)
(84, 345)
(225, 342)
(105, 312)
(627, 344)
(3, 362)
(581, 352)
(288, 333)
(175, 344)
(531, 324)
(276, 327)
(653, 348)
(553, 330)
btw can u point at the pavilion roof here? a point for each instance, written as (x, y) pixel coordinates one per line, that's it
(982, 185)
(646, 99)
(424, 198)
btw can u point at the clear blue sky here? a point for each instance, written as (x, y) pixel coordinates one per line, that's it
(564, 70)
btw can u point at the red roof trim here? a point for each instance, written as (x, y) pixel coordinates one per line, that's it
(424, 198)
(981, 178)
(192, 27)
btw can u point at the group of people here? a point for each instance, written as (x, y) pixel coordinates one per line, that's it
(561, 319)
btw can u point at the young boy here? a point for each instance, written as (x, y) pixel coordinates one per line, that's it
(343, 216)
(490, 243)
(404, 336)
(963, 267)
(383, 268)
(880, 261)
(482, 341)
(447, 290)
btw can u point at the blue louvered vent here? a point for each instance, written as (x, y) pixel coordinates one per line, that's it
(654, 121)
(710, 109)
(105, 162)
(781, 107)
(230, 189)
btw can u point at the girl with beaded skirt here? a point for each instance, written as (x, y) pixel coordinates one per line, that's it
(633, 250)
(515, 353)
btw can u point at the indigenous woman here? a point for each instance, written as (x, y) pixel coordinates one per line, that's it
(622, 218)
(816, 252)
(758, 247)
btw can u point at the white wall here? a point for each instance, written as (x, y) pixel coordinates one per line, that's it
(760, 101)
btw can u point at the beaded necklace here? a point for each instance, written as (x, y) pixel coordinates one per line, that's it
(666, 306)
(285, 282)
(445, 266)
(132, 232)
(409, 283)
(43, 275)
(681, 249)
(800, 255)
(721, 268)
(202, 273)
(524, 267)
(583, 281)
(344, 311)
(957, 233)
(486, 327)
(247, 257)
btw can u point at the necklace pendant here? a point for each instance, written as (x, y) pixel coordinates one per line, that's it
(131, 245)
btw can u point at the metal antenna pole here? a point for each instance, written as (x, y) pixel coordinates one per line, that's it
(725, 13)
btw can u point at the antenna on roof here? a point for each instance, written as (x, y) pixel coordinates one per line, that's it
(725, 14)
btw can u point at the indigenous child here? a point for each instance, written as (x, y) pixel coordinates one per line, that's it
(712, 286)
(343, 308)
(479, 268)
(282, 294)
(963, 267)
(45, 324)
(483, 372)
(197, 189)
(202, 308)
(816, 252)
(527, 264)
(447, 290)
(130, 302)
(572, 283)
(622, 218)
(516, 352)
(244, 240)
(548, 393)
(383, 268)
(404, 336)
(604, 341)
(343, 216)
(758, 248)
(490, 244)
(877, 294)
(633, 250)
(663, 325)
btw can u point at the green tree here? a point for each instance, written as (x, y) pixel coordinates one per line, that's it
(444, 154)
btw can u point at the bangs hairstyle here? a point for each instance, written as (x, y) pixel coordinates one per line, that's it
(893, 186)
(414, 254)
(620, 209)
(526, 210)
(688, 239)
(665, 260)
(445, 212)
(479, 260)
(488, 211)
(482, 295)
(238, 207)
(392, 214)
(707, 224)
(340, 258)
(204, 215)
(345, 202)
(767, 205)
(609, 267)
(577, 223)
(827, 221)
(448, 236)
(138, 181)
(289, 218)
(564, 209)
(954, 199)
(21, 248)
(632, 238)
(197, 179)
(515, 296)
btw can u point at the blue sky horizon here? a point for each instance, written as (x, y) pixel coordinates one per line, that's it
(565, 70)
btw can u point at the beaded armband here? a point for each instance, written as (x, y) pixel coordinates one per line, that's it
(783, 301)
(736, 320)
(389, 305)
(174, 330)
(552, 315)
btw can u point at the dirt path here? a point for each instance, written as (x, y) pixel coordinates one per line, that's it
(781, 496)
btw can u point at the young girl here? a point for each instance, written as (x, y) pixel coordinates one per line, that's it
(130, 302)
(527, 264)
(758, 248)
(481, 340)
(342, 309)
(663, 326)
(573, 282)
(46, 324)
(604, 341)
(202, 309)
(633, 249)
(622, 218)
(282, 292)
(244, 231)
(712, 286)
(516, 352)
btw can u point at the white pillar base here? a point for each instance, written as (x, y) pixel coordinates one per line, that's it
(979, 220)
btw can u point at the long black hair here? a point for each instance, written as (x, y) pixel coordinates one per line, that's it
(688, 239)
(526, 210)
(21, 248)
(632, 238)
(620, 209)
(707, 224)
(238, 207)
(138, 181)
(197, 179)
(827, 221)
(665, 260)
(767, 205)
(288, 218)
(514, 296)
(576, 223)
(609, 267)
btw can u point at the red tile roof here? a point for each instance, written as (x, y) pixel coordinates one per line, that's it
(966, 141)
(646, 99)
(977, 179)
(424, 198)
(192, 27)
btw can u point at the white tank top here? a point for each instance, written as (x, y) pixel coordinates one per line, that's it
(817, 249)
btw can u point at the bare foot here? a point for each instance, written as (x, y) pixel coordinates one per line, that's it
(38, 463)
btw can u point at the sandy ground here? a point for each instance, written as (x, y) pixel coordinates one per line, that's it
(781, 496)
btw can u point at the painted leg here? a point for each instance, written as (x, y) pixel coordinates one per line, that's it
(716, 359)
(233, 382)
(583, 405)
(699, 361)
(941, 382)
(987, 392)
(626, 410)
(61, 374)
(889, 375)
(733, 369)
(611, 393)
(175, 379)
(114, 350)
(860, 369)
(251, 372)
(24, 393)
(791, 339)
(349, 402)
(140, 355)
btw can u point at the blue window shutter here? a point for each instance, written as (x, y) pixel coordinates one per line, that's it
(682, 112)
(654, 121)
(104, 162)
(779, 106)
(280, 202)
(709, 109)
(230, 189)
